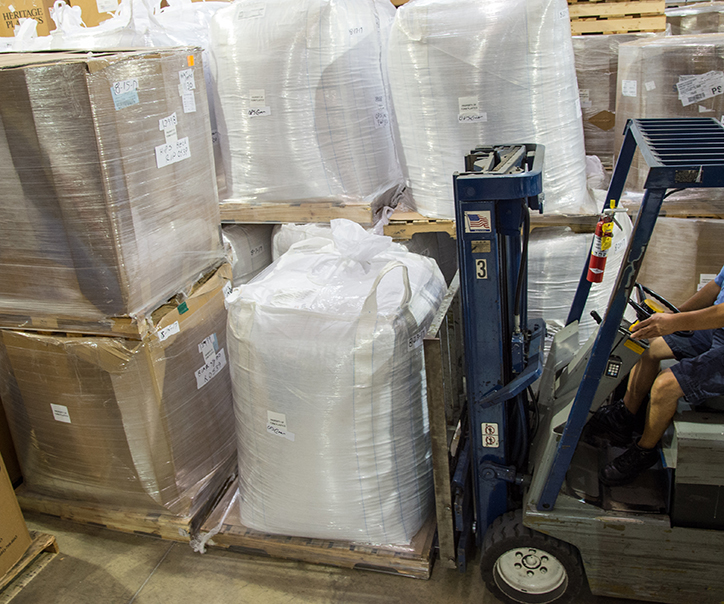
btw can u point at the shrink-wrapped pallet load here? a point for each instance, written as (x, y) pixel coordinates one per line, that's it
(106, 169)
(596, 71)
(326, 359)
(700, 18)
(669, 77)
(303, 105)
(465, 73)
(137, 424)
(556, 257)
(249, 248)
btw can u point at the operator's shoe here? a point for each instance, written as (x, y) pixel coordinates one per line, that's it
(628, 465)
(613, 422)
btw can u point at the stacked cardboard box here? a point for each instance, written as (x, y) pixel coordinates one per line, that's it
(109, 226)
(14, 535)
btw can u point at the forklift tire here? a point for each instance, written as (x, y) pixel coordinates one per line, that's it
(522, 566)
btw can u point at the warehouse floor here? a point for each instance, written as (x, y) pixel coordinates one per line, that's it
(98, 566)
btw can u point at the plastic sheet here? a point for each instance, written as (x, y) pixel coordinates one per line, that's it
(556, 257)
(105, 212)
(596, 71)
(328, 378)
(465, 73)
(144, 425)
(249, 249)
(303, 107)
(650, 73)
(703, 18)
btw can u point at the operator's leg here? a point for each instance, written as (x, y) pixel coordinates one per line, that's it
(644, 373)
(665, 395)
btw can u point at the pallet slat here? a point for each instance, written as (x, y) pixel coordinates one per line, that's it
(241, 212)
(413, 561)
(42, 542)
(606, 9)
(624, 25)
(403, 225)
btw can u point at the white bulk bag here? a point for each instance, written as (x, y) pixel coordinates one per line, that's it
(470, 72)
(302, 99)
(326, 362)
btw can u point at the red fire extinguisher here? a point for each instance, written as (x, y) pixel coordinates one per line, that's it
(601, 244)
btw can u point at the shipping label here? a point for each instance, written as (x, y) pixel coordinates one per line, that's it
(629, 88)
(469, 110)
(60, 413)
(695, 88)
(210, 370)
(125, 93)
(168, 331)
(209, 347)
(276, 424)
(172, 152)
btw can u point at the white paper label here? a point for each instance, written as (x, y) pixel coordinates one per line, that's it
(170, 134)
(620, 245)
(276, 424)
(165, 122)
(650, 85)
(381, 118)
(694, 88)
(257, 98)
(703, 109)
(252, 11)
(584, 95)
(106, 6)
(416, 340)
(469, 110)
(258, 111)
(705, 278)
(189, 102)
(125, 93)
(211, 369)
(187, 81)
(209, 347)
(579, 113)
(227, 289)
(172, 152)
(167, 332)
(629, 88)
(60, 413)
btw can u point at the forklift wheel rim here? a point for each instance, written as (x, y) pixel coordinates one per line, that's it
(530, 571)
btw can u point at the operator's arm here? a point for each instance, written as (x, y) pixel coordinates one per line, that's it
(692, 317)
(704, 298)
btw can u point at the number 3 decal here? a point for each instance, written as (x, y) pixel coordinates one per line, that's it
(481, 268)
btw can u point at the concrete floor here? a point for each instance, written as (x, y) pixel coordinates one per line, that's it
(98, 566)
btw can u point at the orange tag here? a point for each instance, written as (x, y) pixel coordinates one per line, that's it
(190, 60)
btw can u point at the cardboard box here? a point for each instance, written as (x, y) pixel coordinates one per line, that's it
(94, 12)
(107, 177)
(696, 245)
(7, 449)
(14, 10)
(14, 536)
(145, 425)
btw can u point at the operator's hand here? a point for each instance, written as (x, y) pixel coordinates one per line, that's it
(658, 324)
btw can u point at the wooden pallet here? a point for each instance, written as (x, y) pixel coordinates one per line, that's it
(413, 561)
(683, 208)
(274, 213)
(594, 17)
(157, 524)
(403, 225)
(42, 543)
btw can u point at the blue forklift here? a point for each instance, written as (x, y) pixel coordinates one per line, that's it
(545, 524)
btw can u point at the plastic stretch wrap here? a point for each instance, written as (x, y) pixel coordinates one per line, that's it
(107, 176)
(596, 72)
(704, 18)
(303, 107)
(249, 247)
(465, 73)
(666, 77)
(556, 256)
(327, 369)
(145, 425)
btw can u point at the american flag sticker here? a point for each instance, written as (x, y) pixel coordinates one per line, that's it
(477, 222)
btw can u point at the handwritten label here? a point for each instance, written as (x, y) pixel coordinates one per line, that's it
(227, 289)
(276, 424)
(125, 93)
(172, 152)
(629, 88)
(60, 413)
(469, 110)
(209, 347)
(259, 111)
(187, 81)
(650, 85)
(356, 31)
(252, 11)
(694, 88)
(167, 332)
(257, 250)
(381, 119)
(165, 122)
(210, 370)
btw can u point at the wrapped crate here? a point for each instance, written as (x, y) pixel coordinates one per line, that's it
(142, 425)
(596, 72)
(704, 18)
(669, 77)
(465, 73)
(106, 169)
